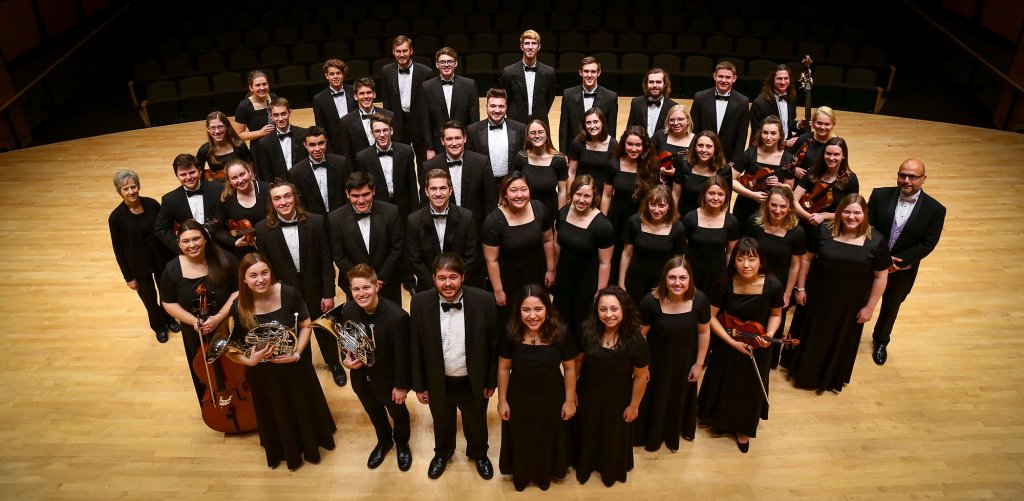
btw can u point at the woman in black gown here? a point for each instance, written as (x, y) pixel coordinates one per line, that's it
(807, 148)
(833, 173)
(545, 168)
(201, 263)
(292, 416)
(139, 254)
(782, 245)
(704, 161)
(677, 136)
(535, 398)
(652, 237)
(613, 375)
(634, 172)
(590, 153)
(245, 203)
(733, 394)
(518, 243)
(222, 145)
(584, 241)
(711, 234)
(845, 272)
(252, 118)
(675, 319)
(767, 153)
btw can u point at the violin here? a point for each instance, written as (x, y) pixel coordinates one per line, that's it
(665, 160)
(757, 180)
(242, 228)
(209, 225)
(227, 404)
(819, 197)
(220, 176)
(750, 331)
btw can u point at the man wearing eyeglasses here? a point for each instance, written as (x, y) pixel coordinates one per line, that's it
(911, 222)
(356, 135)
(447, 97)
(391, 166)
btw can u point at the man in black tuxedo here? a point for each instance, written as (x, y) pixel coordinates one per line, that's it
(777, 97)
(391, 166)
(367, 231)
(294, 243)
(321, 177)
(439, 227)
(334, 102)
(445, 98)
(911, 222)
(472, 179)
(531, 84)
(577, 100)
(281, 151)
(400, 90)
(453, 350)
(194, 199)
(497, 137)
(356, 125)
(651, 109)
(724, 111)
(382, 387)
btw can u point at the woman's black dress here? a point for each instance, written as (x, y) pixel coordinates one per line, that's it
(521, 256)
(535, 439)
(730, 398)
(578, 263)
(748, 164)
(595, 164)
(776, 257)
(174, 288)
(706, 248)
(812, 150)
(853, 186)
(254, 120)
(650, 252)
(621, 207)
(679, 153)
(233, 211)
(601, 437)
(669, 407)
(141, 256)
(216, 163)
(691, 185)
(543, 179)
(838, 286)
(292, 415)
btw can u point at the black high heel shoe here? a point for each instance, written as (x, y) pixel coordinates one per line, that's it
(744, 447)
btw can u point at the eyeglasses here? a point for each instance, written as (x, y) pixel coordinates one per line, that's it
(908, 177)
(446, 63)
(215, 127)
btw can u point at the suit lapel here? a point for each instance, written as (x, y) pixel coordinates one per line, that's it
(451, 227)
(277, 234)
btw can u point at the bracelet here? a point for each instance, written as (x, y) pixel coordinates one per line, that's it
(799, 289)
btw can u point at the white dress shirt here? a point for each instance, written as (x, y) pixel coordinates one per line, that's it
(286, 148)
(387, 165)
(364, 117)
(447, 89)
(497, 146)
(653, 112)
(531, 78)
(364, 230)
(291, 240)
(440, 224)
(195, 204)
(588, 102)
(455, 172)
(453, 339)
(339, 101)
(320, 174)
(783, 107)
(720, 107)
(405, 88)
(904, 207)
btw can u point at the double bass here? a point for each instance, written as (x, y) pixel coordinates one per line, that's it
(227, 404)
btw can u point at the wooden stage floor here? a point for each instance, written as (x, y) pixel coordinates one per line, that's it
(91, 406)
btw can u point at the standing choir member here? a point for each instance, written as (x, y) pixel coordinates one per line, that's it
(723, 110)
(768, 152)
(497, 137)
(445, 98)
(392, 166)
(711, 234)
(333, 103)
(222, 145)
(652, 237)
(400, 89)
(651, 109)
(472, 180)
(808, 146)
(252, 118)
(321, 177)
(675, 136)
(531, 84)
(577, 102)
(454, 361)
(194, 199)
(545, 168)
(590, 152)
(634, 172)
(777, 98)
(704, 161)
(244, 203)
(356, 134)
(833, 173)
(283, 149)
(441, 226)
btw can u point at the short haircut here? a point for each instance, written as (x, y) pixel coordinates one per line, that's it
(726, 65)
(449, 261)
(446, 51)
(122, 177)
(529, 35)
(335, 63)
(453, 124)
(279, 101)
(359, 179)
(401, 39)
(497, 92)
(380, 118)
(314, 131)
(590, 60)
(184, 160)
(438, 174)
(362, 270)
(363, 82)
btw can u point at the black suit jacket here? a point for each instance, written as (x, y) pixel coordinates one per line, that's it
(338, 171)
(407, 195)
(479, 193)
(433, 113)
(386, 244)
(545, 86)
(762, 108)
(481, 342)
(391, 339)
(460, 237)
(315, 281)
(735, 124)
(638, 113)
(353, 137)
(325, 114)
(478, 138)
(572, 113)
(271, 162)
(921, 232)
(174, 209)
(392, 99)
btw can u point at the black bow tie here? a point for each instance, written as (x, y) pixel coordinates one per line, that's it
(491, 126)
(529, 68)
(448, 306)
(439, 215)
(591, 95)
(363, 215)
(385, 153)
(338, 94)
(282, 137)
(782, 98)
(405, 71)
(196, 193)
(364, 116)
(447, 82)
(722, 97)
(653, 103)
(316, 166)
(285, 224)
(455, 163)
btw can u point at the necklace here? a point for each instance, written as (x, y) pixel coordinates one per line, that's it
(608, 343)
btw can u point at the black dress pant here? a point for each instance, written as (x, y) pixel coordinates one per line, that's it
(158, 317)
(459, 395)
(897, 288)
(328, 343)
(378, 410)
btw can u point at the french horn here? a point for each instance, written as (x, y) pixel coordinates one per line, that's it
(352, 337)
(282, 337)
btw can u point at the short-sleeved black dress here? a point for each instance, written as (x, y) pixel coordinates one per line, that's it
(749, 164)
(292, 415)
(691, 185)
(595, 164)
(838, 286)
(601, 437)
(776, 254)
(216, 163)
(521, 248)
(650, 252)
(578, 262)
(730, 398)
(621, 207)
(669, 407)
(535, 439)
(254, 120)
(543, 179)
(852, 186)
(706, 248)
(233, 211)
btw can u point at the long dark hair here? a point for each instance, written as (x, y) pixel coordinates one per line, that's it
(548, 330)
(647, 168)
(217, 265)
(843, 174)
(629, 327)
(747, 246)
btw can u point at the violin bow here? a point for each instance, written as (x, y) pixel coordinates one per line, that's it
(758, 372)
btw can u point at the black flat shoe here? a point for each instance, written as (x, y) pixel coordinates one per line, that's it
(174, 327)
(544, 486)
(340, 378)
(879, 355)
(743, 447)
(437, 466)
(161, 336)
(519, 487)
(484, 468)
(404, 457)
(377, 456)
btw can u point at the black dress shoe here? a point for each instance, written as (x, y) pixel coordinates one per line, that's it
(340, 378)
(519, 487)
(544, 486)
(437, 466)
(173, 326)
(484, 468)
(743, 447)
(161, 336)
(879, 354)
(404, 457)
(378, 454)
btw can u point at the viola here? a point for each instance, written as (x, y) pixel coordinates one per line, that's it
(817, 198)
(749, 331)
(227, 404)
